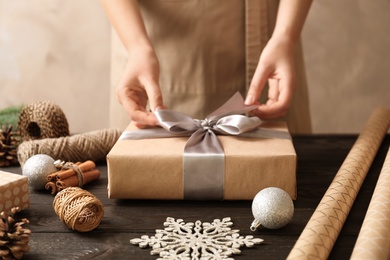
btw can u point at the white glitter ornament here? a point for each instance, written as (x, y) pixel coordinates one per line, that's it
(36, 168)
(272, 208)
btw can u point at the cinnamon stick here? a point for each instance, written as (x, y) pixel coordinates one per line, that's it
(53, 176)
(84, 167)
(51, 186)
(73, 181)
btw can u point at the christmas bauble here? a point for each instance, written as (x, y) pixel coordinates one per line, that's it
(272, 208)
(36, 168)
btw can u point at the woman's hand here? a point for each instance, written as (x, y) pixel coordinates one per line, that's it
(139, 83)
(276, 64)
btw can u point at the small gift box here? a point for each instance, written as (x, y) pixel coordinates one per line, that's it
(13, 191)
(226, 156)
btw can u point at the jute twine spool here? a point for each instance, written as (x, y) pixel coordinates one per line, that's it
(93, 146)
(41, 120)
(78, 209)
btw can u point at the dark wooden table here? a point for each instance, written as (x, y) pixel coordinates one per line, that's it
(319, 158)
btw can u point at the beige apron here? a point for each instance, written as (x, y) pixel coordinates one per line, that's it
(207, 51)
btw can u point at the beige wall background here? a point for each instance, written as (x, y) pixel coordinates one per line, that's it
(56, 50)
(60, 51)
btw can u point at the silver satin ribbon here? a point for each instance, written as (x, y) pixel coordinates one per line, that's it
(204, 157)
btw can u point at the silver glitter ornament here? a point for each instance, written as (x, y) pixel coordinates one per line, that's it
(36, 168)
(272, 208)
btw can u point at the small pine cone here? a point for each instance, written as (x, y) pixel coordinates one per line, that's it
(9, 141)
(13, 237)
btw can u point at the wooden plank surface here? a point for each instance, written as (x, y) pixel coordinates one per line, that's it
(319, 158)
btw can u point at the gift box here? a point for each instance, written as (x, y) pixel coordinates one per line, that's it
(153, 168)
(14, 191)
(227, 156)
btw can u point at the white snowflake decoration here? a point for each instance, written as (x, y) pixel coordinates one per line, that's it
(203, 241)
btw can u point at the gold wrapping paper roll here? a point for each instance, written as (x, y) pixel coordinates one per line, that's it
(319, 235)
(374, 237)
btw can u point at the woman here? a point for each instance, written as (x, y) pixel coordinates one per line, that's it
(192, 55)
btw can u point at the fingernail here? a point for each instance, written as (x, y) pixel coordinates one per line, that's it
(158, 108)
(249, 100)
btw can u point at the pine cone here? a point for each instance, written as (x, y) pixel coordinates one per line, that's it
(13, 237)
(9, 141)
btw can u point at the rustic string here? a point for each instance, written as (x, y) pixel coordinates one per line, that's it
(93, 146)
(76, 169)
(41, 120)
(78, 209)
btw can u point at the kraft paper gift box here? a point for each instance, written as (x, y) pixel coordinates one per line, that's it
(153, 168)
(14, 191)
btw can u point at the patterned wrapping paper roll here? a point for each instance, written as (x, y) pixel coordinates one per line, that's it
(318, 237)
(374, 237)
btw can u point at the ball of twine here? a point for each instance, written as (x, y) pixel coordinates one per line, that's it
(41, 120)
(93, 146)
(78, 209)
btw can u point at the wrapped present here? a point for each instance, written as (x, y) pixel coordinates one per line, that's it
(226, 156)
(14, 191)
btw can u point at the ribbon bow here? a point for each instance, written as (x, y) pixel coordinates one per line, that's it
(204, 157)
(225, 120)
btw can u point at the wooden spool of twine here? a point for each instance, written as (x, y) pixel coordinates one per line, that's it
(93, 146)
(42, 120)
(78, 209)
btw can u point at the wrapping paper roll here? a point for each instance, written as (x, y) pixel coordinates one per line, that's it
(319, 235)
(374, 237)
